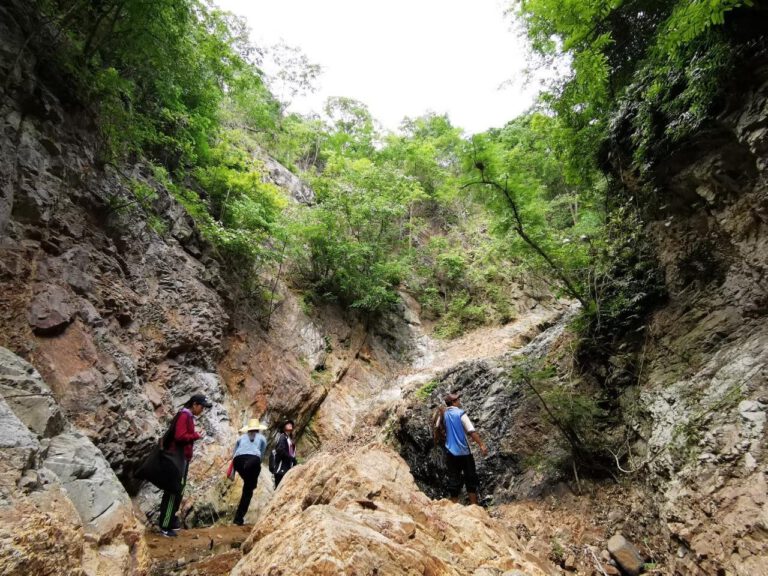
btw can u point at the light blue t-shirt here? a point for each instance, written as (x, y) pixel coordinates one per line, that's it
(455, 436)
(244, 445)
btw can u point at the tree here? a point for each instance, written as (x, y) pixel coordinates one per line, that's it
(351, 246)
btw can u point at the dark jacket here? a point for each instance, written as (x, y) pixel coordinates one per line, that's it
(184, 434)
(285, 459)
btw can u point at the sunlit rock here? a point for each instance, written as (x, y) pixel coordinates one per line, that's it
(360, 512)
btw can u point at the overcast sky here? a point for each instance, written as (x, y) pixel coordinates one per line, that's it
(402, 57)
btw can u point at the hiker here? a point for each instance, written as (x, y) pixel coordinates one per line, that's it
(179, 439)
(459, 459)
(247, 459)
(285, 452)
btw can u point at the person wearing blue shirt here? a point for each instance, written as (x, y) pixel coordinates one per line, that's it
(459, 460)
(249, 449)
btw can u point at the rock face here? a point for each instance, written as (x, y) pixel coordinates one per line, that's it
(123, 319)
(361, 513)
(699, 414)
(280, 176)
(120, 305)
(63, 510)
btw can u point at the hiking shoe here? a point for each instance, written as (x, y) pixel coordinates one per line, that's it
(238, 522)
(169, 533)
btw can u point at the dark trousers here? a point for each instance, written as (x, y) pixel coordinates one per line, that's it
(461, 472)
(171, 501)
(249, 468)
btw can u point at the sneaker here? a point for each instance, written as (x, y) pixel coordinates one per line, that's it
(169, 533)
(238, 522)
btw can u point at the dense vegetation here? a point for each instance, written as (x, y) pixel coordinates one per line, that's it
(462, 223)
(457, 221)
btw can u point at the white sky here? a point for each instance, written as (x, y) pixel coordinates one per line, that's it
(402, 57)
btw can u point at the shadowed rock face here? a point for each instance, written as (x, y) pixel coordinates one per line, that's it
(505, 414)
(361, 513)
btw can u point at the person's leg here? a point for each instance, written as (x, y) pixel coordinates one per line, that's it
(168, 506)
(174, 502)
(470, 477)
(453, 465)
(250, 466)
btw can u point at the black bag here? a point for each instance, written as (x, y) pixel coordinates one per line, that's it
(163, 469)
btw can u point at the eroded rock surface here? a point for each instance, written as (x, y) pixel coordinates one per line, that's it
(62, 509)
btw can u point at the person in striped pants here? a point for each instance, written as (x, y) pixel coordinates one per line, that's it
(184, 436)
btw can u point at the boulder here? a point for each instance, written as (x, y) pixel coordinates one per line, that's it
(28, 396)
(361, 513)
(625, 554)
(50, 311)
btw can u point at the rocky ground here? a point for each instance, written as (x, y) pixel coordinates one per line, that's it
(211, 551)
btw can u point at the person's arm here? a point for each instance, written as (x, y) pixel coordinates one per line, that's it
(479, 441)
(472, 433)
(262, 446)
(438, 426)
(185, 429)
(237, 444)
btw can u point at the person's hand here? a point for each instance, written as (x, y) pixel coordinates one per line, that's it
(484, 450)
(201, 433)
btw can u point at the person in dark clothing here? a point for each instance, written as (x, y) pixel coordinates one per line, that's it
(249, 449)
(285, 452)
(181, 440)
(459, 459)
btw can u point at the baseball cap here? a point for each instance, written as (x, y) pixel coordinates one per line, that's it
(450, 398)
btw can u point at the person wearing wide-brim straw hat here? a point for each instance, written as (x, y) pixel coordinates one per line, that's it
(249, 449)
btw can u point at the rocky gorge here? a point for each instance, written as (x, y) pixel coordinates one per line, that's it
(108, 324)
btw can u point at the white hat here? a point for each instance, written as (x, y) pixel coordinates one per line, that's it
(253, 424)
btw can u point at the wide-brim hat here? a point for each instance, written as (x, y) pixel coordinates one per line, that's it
(253, 424)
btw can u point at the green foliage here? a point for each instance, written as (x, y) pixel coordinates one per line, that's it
(352, 132)
(625, 282)
(352, 246)
(631, 50)
(426, 389)
(429, 151)
(549, 215)
(577, 415)
(461, 316)
(159, 76)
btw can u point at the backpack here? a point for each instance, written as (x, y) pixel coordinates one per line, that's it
(439, 433)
